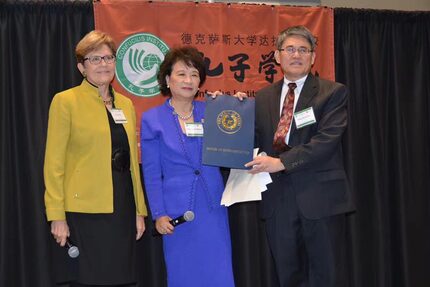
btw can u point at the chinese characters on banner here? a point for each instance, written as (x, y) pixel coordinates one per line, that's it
(237, 40)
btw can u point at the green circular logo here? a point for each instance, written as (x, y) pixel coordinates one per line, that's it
(138, 60)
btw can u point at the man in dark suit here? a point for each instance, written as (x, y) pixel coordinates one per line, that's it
(300, 121)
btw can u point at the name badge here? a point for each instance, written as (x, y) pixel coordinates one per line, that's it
(194, 129)
(304, 118)
(118, 116)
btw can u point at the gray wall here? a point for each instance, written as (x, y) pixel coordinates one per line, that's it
(406, 5)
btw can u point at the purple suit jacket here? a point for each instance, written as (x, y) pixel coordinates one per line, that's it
(172, 166)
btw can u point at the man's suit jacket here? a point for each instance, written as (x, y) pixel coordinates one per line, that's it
(314, 168)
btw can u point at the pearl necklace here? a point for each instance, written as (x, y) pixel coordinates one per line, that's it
(184, 118)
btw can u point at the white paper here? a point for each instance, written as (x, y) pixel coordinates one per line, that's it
(242, 186)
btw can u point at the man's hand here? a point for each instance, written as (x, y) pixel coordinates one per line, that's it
(265, 163)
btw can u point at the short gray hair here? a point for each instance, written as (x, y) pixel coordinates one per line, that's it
(296, 31)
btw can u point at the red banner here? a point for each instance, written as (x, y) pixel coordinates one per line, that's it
(238, 42)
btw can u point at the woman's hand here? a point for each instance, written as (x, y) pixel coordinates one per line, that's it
(239, 95)
(163, 225)
(140, 226)
(60, 231)
(215, 94)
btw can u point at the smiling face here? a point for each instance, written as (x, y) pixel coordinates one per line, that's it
(101, 74)
(183, 81)
(295, 66)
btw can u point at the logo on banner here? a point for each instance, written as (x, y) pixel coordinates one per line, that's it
(138, 61)
(229, 121)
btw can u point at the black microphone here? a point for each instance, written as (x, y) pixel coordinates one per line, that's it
(72, 250)
(188, 216)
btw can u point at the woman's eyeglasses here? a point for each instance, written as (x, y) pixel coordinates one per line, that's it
(95, 60)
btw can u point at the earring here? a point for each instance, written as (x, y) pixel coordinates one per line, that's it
(84, 74)
(168, 86)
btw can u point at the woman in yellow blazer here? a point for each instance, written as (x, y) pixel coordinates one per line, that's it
(94, 195)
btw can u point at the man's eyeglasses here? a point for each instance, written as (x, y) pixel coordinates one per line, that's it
(290, 50)
(95, 60)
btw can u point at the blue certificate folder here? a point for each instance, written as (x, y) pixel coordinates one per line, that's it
(228, 138)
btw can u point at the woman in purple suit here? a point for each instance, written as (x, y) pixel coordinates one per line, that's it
(198, 252)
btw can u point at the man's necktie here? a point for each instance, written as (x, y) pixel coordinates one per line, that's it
(285, 120)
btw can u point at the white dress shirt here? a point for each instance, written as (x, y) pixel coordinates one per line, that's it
(297, 90)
